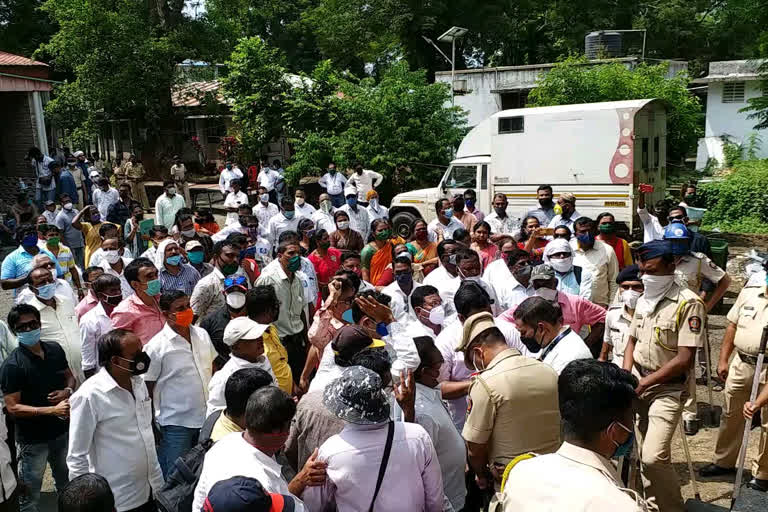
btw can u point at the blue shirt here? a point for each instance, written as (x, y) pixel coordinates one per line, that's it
(19, 263)
(72, 238)
(66, 185)
(185, 280)
(544, 216)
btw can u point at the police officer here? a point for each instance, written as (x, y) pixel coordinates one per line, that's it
(691, 269)
(512, 406)
(619, 315)
(746, 320)
(667, 328)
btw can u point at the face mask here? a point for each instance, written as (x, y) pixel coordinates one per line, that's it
(153, 288)
(546, 203)
(448, 213)
(352, 201)
(236, 300)
(558, 209)
(547, 294)
(501, 212)
(46, 291)
(195, 257)
(531, 343)
(185, 318)
(629, 298)
(29, 338)
(294, 263)
(332, 171)
(564, 265)
(173, 260)
(68, 206)
(374, 202)
(138, 365)
(343, 225)
(656, 286)
(381, 329)
(470, 203)
(139, 216)
(189, 233)
(586, 239)
(229, 167)
(95, 218)
(29, 240)
(474, 363)
(54, 241)
(170, 191)
(325, 206)
(112, 300)
(264, 198)
(607, 228)
(289, 214)
(522, 274)
(347, 316)
(229, 268)
(404, 280)
(437, 315)
(111, 256)
(383, 235)
(300, 201)
(625, 448)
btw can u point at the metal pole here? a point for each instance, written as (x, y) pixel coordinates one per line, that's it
(453, 70)
(645, 32)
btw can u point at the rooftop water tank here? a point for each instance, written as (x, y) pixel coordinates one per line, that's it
(600, 45)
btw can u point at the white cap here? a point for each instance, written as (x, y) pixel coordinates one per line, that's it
(350, 191)
(243, 327)
(94, 173)
(78, 153)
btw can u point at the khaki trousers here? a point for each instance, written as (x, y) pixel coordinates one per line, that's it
(690, 409)
(738, 386)
(657, 416)
(183, 187)
(139, 193)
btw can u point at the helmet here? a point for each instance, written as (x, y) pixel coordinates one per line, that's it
(676, 231)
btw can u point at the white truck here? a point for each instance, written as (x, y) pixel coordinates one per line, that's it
(597, 151)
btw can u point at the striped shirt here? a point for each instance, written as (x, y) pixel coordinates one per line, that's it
(65, 259)
(184, 280)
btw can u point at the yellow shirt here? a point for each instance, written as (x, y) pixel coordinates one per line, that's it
(223, 426)
(92, 238)
(278, 358)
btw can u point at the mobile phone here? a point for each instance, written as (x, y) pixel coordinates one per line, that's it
(645, 188)
(546, 231)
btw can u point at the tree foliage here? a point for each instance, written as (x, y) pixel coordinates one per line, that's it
(23, 27)
(572, 81)
(738, 201)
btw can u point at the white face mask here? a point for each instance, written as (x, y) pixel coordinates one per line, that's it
(236, 300)
(374, 202)
(112, 256)
(325, 205)
(437, 315)
(474, 364)
(629, 298)
(264, 198)
(189, 233)
(343, 225)
(564, 265)
(547, 294)
(300, 201)
(68, 206)
(656, 286)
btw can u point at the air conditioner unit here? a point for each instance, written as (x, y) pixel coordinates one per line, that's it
(459, 86)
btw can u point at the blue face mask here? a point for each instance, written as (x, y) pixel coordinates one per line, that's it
(28, 338)
(347, 316)
(352, 201)
(195, 257)
(587, 239)
(448, 213)
(46, 291)
(381, 329)
(469, 202)
(625, 448)
(153, 287)
(173, 260)
(289, 214)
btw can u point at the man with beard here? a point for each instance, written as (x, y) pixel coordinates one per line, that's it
(546, 210)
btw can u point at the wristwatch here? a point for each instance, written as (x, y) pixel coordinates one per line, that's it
(70, 390)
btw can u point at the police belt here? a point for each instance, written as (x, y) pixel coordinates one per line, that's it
(644, 372)
(746, 358)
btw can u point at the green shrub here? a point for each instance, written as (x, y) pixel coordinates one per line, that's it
(739, 201)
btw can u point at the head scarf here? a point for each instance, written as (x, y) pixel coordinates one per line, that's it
(555, 246)
(160, 254)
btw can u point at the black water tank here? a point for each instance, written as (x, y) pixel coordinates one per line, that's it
(599, 45)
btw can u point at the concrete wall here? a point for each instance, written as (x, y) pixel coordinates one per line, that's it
(17, 135)
(725, 119)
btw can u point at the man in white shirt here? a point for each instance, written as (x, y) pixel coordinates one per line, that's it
(402, 287)
(229, 173)
(323, 216)
(50, 212)
(374, 209)
(501, 223)
(9, 500)
(509, 276)
(264, 210)
(104, 196)
(168, 205)
(234, 200)
(284, 221)
(597, 257)
(95, 323)
(443, 227)
(300, 204)
(179, 176)
(268, 418)
(540, 323)
(358, 215)
(355, 455)
(428, 312)
(596, 409)
(652, 227)
(182, 363)
(363, 180)
(268, 178)
(566, 203)
(431, 413)
(333, 182)
(111, 424)
(442, 277)
(246, 340)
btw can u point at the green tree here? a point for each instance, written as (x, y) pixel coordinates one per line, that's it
(571, 82)
(23, 27)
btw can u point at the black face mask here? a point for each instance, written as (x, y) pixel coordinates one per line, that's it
(139, 216)
(113, 300)
(138, 365)
(547, 203)
(522, 273)
(530, 342)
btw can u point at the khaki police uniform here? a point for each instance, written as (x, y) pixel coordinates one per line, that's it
(616, 334)
(750, 314)
(678, 320)
(691, 270)
(513, 408)
(135, 174)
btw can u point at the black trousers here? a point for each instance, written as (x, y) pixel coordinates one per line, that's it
(147, 507)
(296, 346)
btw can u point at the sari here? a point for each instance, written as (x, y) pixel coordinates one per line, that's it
(377, 260)
(426, 253)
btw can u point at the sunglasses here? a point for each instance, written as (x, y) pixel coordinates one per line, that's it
(234, 281)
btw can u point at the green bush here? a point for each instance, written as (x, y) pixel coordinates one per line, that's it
(739, 201)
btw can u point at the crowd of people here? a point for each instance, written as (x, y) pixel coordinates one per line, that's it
(306, 357)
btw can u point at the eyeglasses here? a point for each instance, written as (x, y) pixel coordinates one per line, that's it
(234, 281)
(676, 218)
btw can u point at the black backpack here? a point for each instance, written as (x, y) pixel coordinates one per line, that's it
(178, 492)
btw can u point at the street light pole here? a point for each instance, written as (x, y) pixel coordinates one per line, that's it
(453, 72)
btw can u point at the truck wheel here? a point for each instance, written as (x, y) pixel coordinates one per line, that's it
(402, 223)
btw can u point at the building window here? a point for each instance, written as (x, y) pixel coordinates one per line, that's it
(511, 124)
(516, 99)
(644, 158)
(656, 149)
(733, 92)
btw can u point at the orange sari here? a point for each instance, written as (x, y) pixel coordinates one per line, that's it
(380, 259)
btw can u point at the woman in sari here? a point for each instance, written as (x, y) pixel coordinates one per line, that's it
(377, 255)
(606, 225)
(345, 238)
(482, 244)
(531, 241)
(424, 252)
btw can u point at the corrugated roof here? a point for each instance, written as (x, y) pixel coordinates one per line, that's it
(9, 59)
(190, 94)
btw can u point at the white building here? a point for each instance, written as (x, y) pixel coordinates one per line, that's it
(730, 84)
(483, 92)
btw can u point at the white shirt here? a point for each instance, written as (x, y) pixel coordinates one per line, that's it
(50, 217)
(573, 479)
(234, 200)
(97, 256)
(7, 478)
(166, 208)
(380, 212)
(364, 182)
(558, 220)
(652, 229)
(216, 401)
(601, 262)
(226, 177)
(436, 227)
(324, 220)
(432, 414)
(233, 456)
(267, 178)
(181, 371)
(224, 232)
(279, 224)
(103, 200)
(617, 321)
(93, 325)
(264, 212)
(359, 220)
(60, 325)
(509, 292)
(412, 481)
(401, 302)
(507, 226)
(64, 291)
(110, 433)
(333, 183)
(570, 348)
(125, 288)
(304, 210)
(444, 282)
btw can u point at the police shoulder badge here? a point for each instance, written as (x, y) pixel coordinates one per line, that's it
(469, 404)
(694, 323)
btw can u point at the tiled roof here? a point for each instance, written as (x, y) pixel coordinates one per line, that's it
(9, 59)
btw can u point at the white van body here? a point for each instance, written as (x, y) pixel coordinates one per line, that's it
(597, 151)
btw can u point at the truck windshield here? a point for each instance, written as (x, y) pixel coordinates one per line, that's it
(461, 177)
